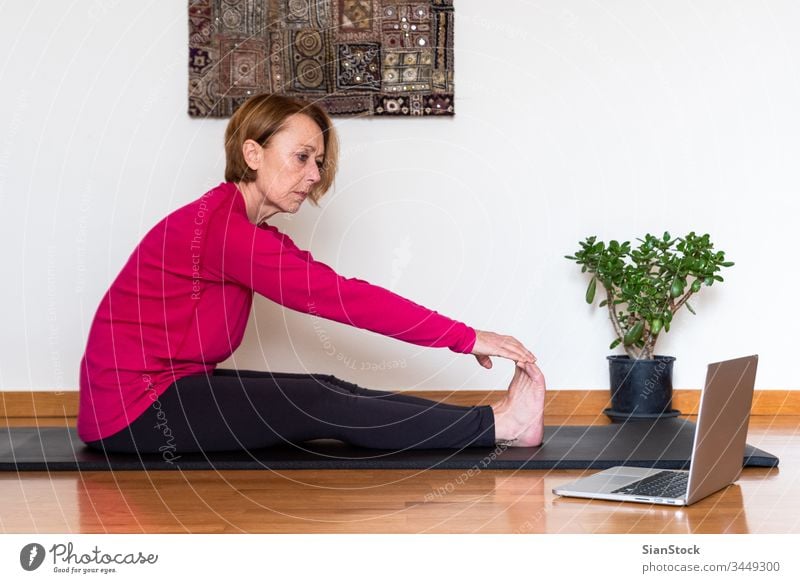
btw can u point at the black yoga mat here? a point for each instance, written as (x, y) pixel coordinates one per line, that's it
(666, 443)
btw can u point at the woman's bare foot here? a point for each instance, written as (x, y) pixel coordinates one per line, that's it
(519, 417)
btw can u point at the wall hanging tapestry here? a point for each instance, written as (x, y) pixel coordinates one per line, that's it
(353, 57)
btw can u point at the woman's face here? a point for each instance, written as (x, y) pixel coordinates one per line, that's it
(289, 165)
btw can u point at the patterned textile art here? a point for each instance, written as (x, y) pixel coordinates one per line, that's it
(353, 57)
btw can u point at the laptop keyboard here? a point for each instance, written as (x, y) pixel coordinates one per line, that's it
(664, 484)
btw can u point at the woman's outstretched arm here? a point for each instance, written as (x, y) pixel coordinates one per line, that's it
(266, 261)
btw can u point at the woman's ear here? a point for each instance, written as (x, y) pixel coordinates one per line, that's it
(252, 153)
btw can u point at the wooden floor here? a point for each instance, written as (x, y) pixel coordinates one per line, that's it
(390, 501)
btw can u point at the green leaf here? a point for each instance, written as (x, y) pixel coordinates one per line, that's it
(634, 334)
(590, 290)
(727, 263)
(571, 257)
(690, 308)
(677, 288)
(696, 285)
(614, 344)
(655, 326)
(666, 236)
(603, 303)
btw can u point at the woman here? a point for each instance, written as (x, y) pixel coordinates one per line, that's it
(180, 304)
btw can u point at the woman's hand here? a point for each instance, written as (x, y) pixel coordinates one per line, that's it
(490, 344)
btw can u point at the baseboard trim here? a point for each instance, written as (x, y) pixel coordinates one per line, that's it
(64, 404)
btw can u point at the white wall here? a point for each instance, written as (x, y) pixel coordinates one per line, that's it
(573, 118)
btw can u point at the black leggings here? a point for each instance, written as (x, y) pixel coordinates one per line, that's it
(237, 410)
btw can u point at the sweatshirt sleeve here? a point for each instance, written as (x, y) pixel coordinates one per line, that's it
(268, 262)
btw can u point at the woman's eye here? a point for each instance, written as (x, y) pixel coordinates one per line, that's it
(304, 158)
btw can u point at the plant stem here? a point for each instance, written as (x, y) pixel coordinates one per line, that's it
(682, 301)
(612, 314)
(649, 346)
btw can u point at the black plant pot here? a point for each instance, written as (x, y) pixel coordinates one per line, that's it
(641, 390)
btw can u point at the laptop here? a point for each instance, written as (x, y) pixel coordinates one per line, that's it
(717, 451)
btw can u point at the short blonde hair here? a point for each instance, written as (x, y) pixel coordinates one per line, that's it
(261, 117)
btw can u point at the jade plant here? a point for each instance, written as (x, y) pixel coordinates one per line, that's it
(646, 286)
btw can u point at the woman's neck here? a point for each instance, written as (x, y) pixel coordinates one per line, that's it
(257, 211)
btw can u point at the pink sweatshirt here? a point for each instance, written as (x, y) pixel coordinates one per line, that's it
(181, 303)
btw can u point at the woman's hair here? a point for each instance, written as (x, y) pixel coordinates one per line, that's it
(261, 117)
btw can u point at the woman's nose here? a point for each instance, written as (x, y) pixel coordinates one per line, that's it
(314, 174)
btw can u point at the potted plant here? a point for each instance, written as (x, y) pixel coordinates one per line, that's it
(645, 287)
